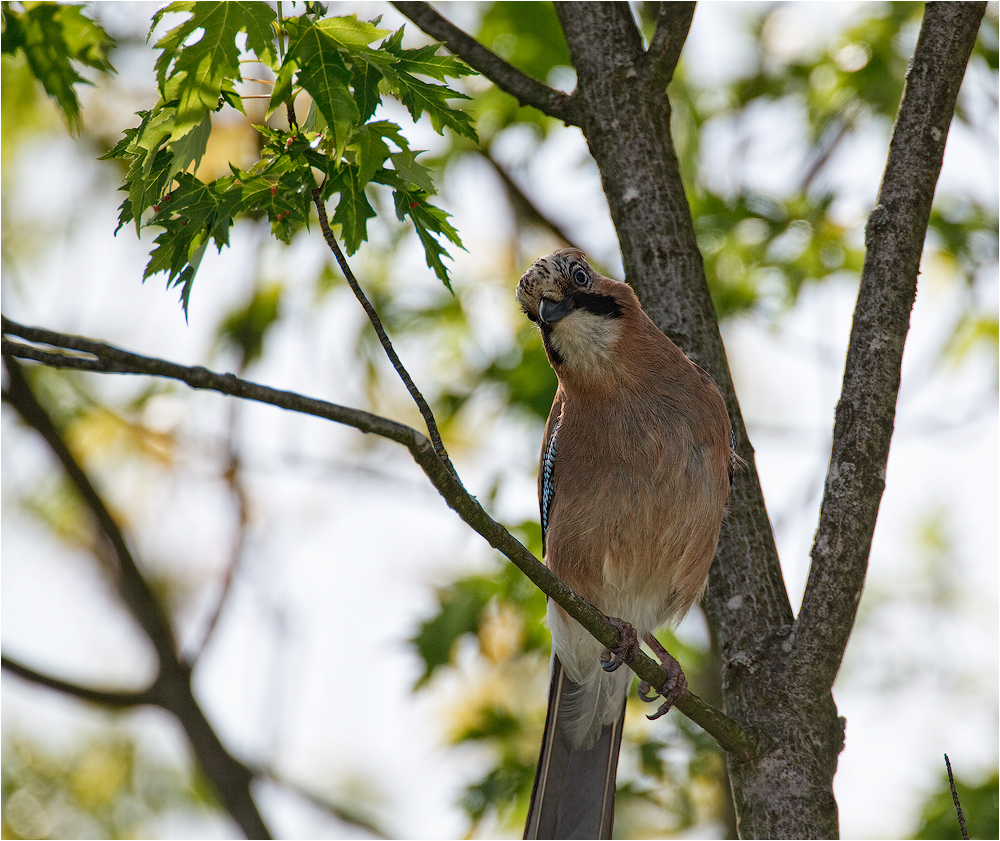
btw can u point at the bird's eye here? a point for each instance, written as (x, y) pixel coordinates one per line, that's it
(580, 276)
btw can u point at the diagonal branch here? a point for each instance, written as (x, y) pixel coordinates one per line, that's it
(119, 700)
(343, 812)
(132, 586)
(523, 88)
(739, 741)
(233, 479)
(373, 317)
(523, 205)
(865, 413)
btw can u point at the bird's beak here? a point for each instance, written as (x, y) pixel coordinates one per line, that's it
(549, 312)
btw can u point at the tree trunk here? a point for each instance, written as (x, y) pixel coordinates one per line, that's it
(777, 673)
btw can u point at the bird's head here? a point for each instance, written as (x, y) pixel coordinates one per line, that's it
(578, 311)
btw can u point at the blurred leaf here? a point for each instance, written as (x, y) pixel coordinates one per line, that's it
(246, 328)
(106, 788)
(462, 607)
(53, 37)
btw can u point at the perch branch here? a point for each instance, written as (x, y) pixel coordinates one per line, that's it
(734, 738)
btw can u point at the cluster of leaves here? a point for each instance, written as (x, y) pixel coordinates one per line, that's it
(54, 39)
(765, 248)
(337, 150)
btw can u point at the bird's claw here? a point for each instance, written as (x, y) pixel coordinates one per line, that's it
(625, 651)
(673, 688)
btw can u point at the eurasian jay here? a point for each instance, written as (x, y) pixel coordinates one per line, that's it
(635, 470)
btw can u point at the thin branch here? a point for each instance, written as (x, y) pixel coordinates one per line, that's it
(341, 813)
(866, 411)
(740, 742)
(118, 700)
(373, 317)
(672, 26)
(233, 478)
(103, 358)
(523, 205)
(523, 88)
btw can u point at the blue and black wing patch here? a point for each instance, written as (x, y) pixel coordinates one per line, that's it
(548, 487)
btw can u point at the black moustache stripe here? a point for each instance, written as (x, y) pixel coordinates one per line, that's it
(557, 358)
(603, 305)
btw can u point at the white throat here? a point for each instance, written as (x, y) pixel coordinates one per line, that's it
(584, 341)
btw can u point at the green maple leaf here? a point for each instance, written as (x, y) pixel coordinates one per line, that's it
(429, 222)
(421, 97)
(412, 173)
(425, 61)
(350, 32)
(365, 78)
(371, 151)
(317, 50)
(353, 210)
(201, 66)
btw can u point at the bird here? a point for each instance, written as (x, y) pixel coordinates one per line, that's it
(635, 470)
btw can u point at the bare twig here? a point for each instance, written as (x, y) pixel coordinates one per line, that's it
(523, 88)
(739, 741)
(954, 797)
(233, 479)
(373, 317)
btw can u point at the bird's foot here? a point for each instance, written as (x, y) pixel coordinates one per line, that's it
(675, 685)
(627, 648)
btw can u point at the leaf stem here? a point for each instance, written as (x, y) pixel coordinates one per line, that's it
(280, 34)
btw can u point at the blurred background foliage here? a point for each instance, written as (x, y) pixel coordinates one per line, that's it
(107, 787)
(761, 247)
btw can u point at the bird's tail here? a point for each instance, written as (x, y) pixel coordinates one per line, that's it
(574, 791)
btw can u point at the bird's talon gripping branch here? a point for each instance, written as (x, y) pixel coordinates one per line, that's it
(625, 651)
(673, 688)
(644, 689)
